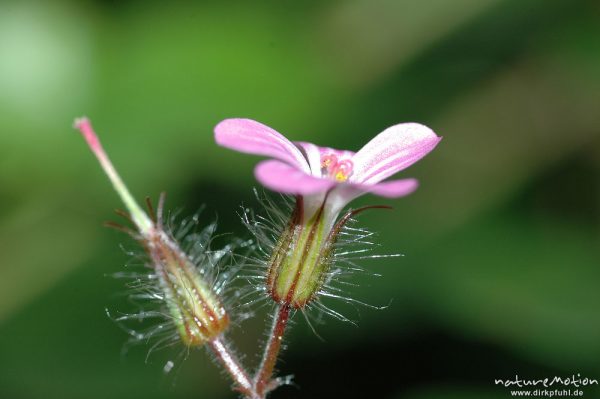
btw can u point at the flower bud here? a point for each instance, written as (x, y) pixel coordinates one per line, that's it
(194, 307)
(301, 258)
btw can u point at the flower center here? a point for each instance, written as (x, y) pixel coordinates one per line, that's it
(337, 169)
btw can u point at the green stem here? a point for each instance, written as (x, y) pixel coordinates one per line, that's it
(263, 379)
(141, 220)
(233, 367)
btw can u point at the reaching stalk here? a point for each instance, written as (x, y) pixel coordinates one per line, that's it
(263, 380)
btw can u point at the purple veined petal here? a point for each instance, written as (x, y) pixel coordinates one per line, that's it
(344, 193)
(251, 137)
(313, 154)
(281, 177)
(391, 188)
(391, 151)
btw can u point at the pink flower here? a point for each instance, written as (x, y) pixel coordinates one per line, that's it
(306, 169)
(325, 180)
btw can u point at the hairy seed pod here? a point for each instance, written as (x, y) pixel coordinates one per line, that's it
(194, 307)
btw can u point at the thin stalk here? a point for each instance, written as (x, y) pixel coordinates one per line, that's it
(141, 220)
(233, 367)
(263, 382)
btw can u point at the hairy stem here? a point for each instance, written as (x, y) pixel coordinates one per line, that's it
(233, 367)
(263, 381)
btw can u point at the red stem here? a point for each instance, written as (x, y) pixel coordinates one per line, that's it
(263, 382)
(233, 367)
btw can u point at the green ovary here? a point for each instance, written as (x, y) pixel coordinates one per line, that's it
(297, 271)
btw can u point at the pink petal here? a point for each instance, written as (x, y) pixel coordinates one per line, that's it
(248, 136)
(281, 177)
(344, 193)
(392, 188)
(392, 150)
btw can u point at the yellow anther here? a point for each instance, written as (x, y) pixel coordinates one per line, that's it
(341, 177)
(336, 169)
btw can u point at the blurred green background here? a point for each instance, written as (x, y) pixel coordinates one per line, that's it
(502, 240)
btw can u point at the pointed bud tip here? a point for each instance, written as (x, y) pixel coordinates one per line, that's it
(78, 122)
(142, 221)
(84, 126)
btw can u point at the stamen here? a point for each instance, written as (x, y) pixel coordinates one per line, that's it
(328, 161)
(343, 170)
(341, 177)
(339, 170)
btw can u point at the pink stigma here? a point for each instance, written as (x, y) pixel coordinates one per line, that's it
(85, 127)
